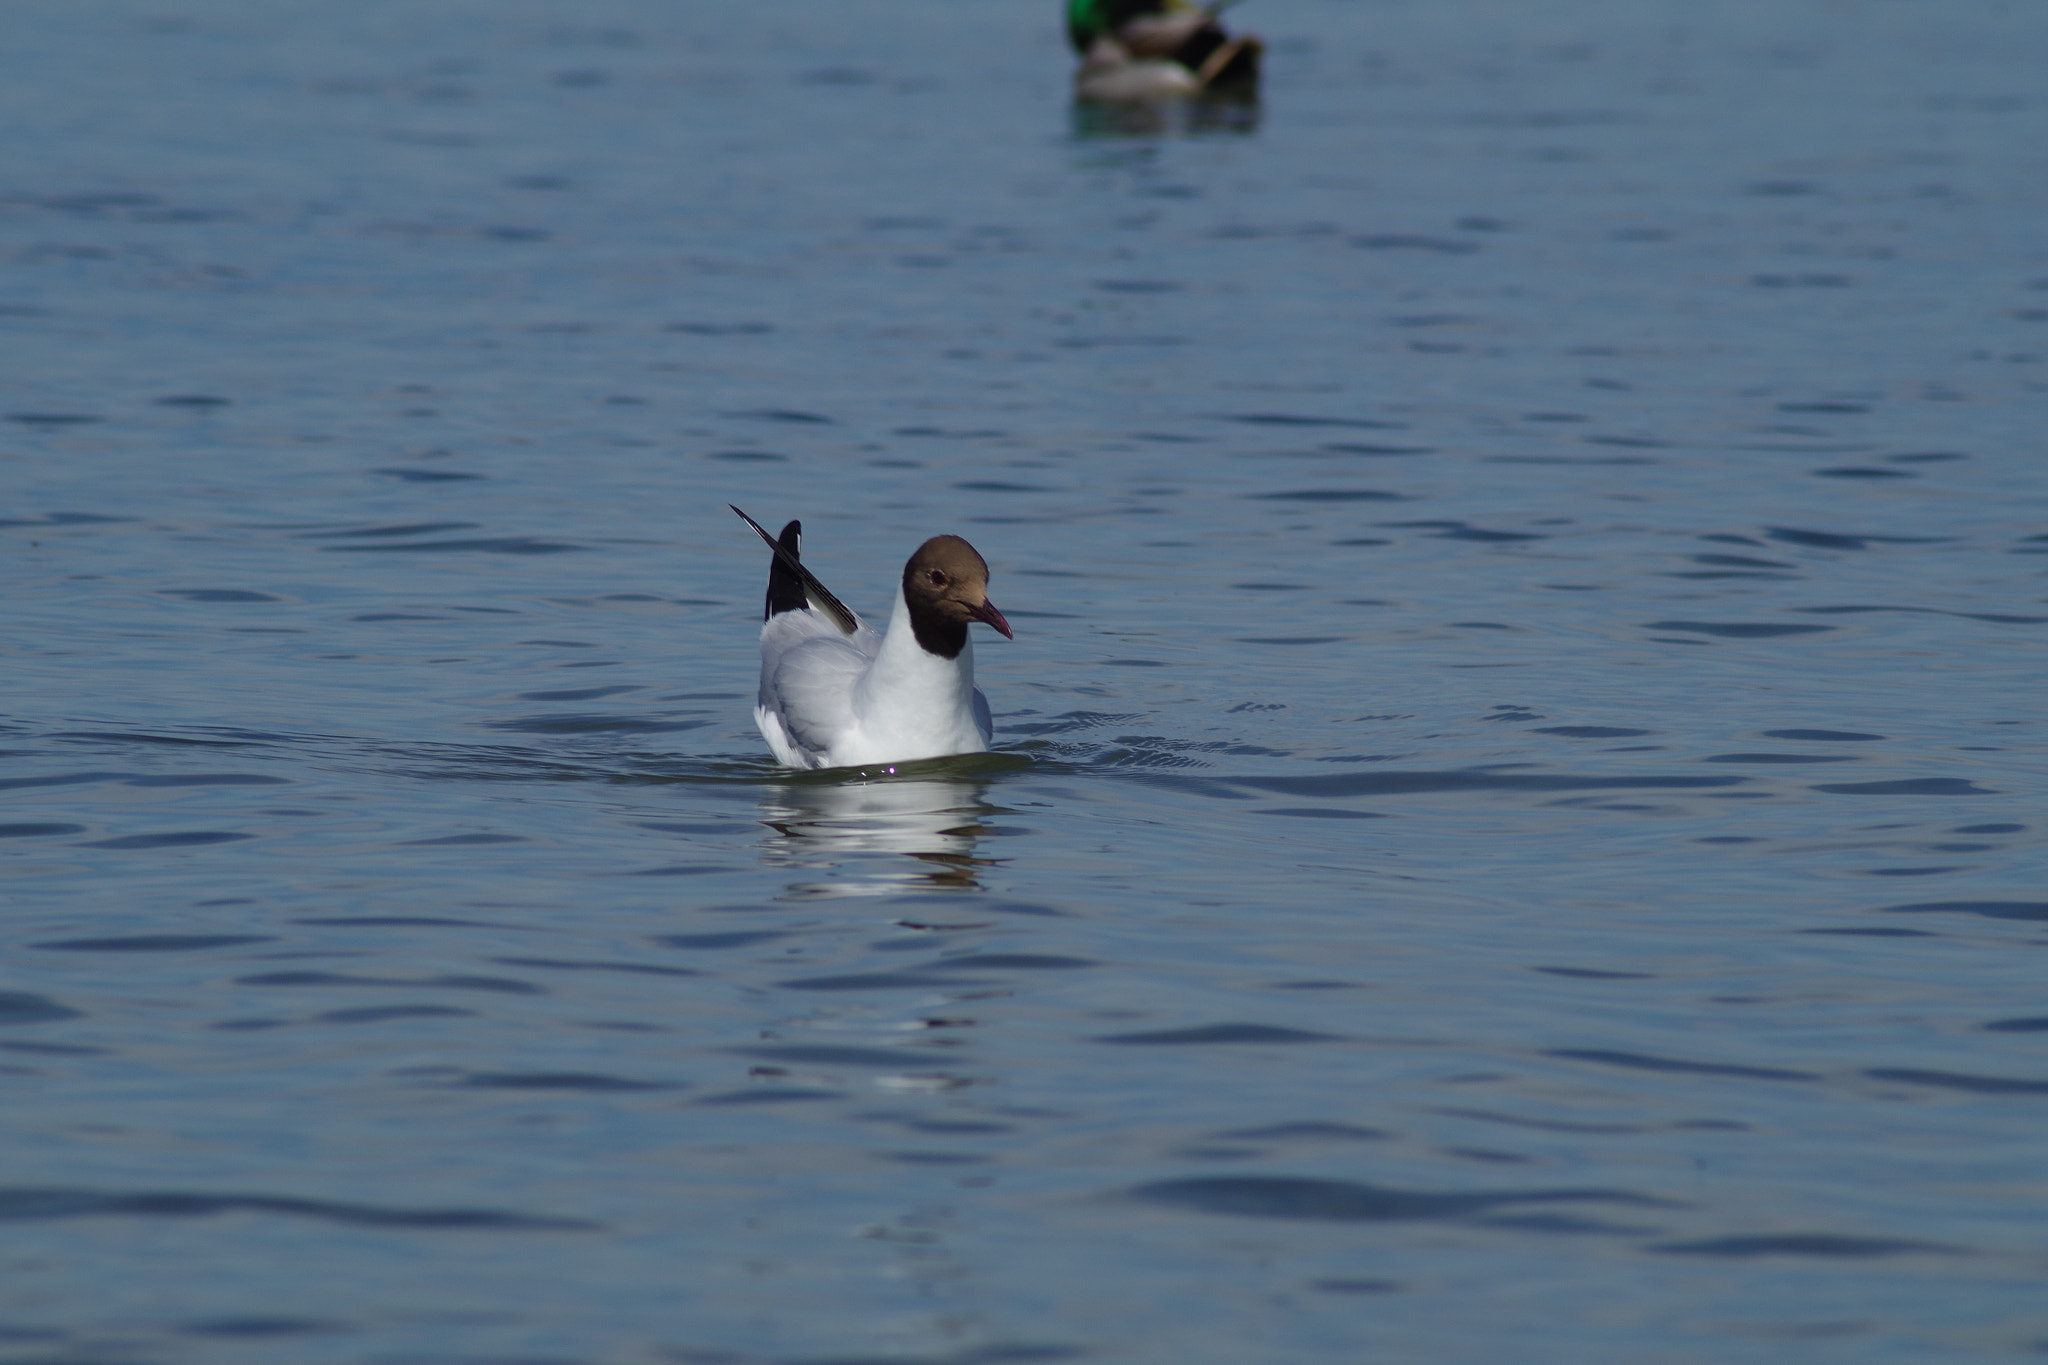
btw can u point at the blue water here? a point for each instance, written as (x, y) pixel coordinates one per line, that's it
(1517, 827)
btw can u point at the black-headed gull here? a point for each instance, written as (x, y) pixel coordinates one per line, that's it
(835, 694)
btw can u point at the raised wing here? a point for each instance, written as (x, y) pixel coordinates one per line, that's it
(820, 597)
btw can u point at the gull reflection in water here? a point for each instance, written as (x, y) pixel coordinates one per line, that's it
(885, 831)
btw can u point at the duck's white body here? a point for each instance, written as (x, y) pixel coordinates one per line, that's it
(1112, 75)
(1166, 50)
(830, 700)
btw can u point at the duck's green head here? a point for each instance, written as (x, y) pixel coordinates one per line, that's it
(1088, 20)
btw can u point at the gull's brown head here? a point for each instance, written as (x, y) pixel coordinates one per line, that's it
(945, 585)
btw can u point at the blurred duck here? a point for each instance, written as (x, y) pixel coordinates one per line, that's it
(1140, 50)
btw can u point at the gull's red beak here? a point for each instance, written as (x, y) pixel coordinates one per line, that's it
(988, 615)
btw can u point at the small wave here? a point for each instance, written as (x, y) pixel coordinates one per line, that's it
(1329, 495)
(1411, 241)
(788, 415)
(1773, 758)
(209, 780)
(405, 475)
(380, 1014)
(2035, 911)
(580, 1081)
(499, 984)
(182, 839)
(594, 724)
(874, 981)
(1409, 783)
(1301, 1198)
(555, 964)
(417, 528)
(1068, 722)
(21, 1007)
(1593, 731)
(1312, 1130)
(1321, 813)
(1822, 1244)
(1637, 1061)
(1957, 1080)
(714, 942)
(492, 545)
(28, 1203)
(1994, 617)
(1737, 630)
(1290, 419)
(255, 1327)
(1212, 1034)
(1911, 786)
(217, 595)
(152, 943)
(835, 1054)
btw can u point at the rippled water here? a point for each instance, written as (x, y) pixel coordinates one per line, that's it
(1517, 830)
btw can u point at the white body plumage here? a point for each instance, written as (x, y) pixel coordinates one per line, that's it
(835, 693)
(830, 700)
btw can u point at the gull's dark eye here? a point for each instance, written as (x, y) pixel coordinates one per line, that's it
(938, 578)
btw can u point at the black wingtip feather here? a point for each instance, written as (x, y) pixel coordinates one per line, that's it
(792, 586)
(785, 589)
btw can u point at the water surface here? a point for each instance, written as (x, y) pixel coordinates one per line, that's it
(1516, 832)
